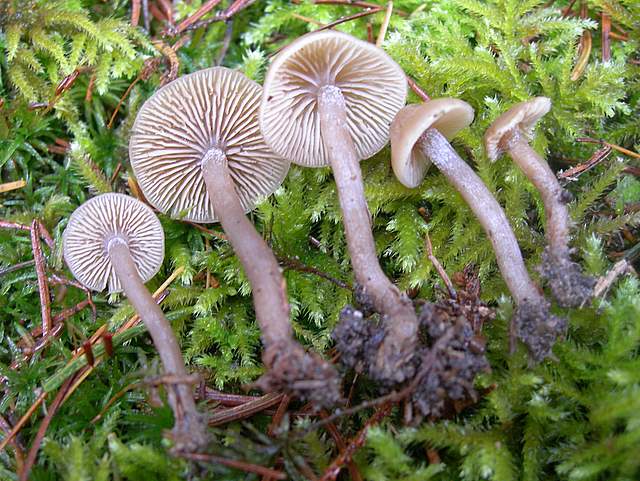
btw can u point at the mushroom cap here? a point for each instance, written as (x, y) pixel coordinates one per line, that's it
(447, 115)
(101, 219)
(211, 108)
(373, 85)
(522, 116)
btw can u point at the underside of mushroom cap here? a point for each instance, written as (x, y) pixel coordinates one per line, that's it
(521, 118)
(112, 218)
(374, 88)
(447, 115)
(215, 108)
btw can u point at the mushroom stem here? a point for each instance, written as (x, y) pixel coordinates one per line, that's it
(290, 367)
(487, 210)
(401, 322)
(258, 261)
(532, 321)
(189, 431)
(536, 169)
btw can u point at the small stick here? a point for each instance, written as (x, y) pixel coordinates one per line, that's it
(370, 33)
(439, 269)
(17, 448)
(622, 150)
(43, 287)
(16, 267)
(307, 19)
(113, 399)
(332, 472)
(385, 24)
(277, 418)
(44, 234)
(89, 94)
(245, 410)
(605, 282)
(9, 186)
(197, 15)
(23, 420)
(223, 16)
(231, 463)
(354, 473)
(349, 18)
(115, 174)
(598, 156)
(136, 6)
(583, 58)
(417, 89)
(606, 40)
(37, 441)
(167, 8)
(226, 42)
(295, 264)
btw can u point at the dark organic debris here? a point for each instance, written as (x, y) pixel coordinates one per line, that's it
(537, 328)
(449, 356)
(569, 286)
(300, 374)
(454, 364)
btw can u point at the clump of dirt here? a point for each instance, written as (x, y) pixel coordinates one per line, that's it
(569, 286)
(537, 328)
(300, 374)
(450, 351)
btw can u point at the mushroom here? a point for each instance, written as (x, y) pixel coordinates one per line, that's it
(328, 100)
(116, 242)
(198, 154)
(511, 133)
(419, 136)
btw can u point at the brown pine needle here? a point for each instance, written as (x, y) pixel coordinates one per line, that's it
(382, 33)
(9, 186)
(615, 147)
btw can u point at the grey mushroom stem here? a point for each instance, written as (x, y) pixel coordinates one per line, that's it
(486, 209)
(532, 321)
(401, 323)
(189, 429)
(258, 261)
(290, 367)
(537, 170)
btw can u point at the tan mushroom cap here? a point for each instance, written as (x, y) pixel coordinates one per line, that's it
(211, 108)
(101, 219)
(447, 115)
(373, 85)
(522, 116)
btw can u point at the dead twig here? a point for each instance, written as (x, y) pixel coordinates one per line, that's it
(231, 463)
(331, 473)
(382, 33)
(295, 264)
(606, 37)
(43, 286)
(245, 410)
(136, 7)
(354, 473)
(615, 147)
(605, 282)
(37, 440)
(598, 156)
(439, 269)
(190, 20)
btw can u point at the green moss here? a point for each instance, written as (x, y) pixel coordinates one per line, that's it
(572, 418)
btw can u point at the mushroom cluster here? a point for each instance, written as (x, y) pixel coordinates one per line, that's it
(208, 146)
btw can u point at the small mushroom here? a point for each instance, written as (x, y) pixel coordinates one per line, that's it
(419, 136)
(328, 100)
(511, 133)
(116, 242)
(198, 154)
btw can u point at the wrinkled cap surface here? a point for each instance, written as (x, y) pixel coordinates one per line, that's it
(373, 85)
(447, 115)
(211, 108)
(521, 119)
(104, 218)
